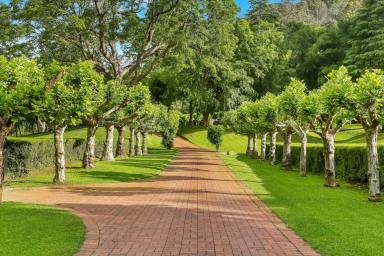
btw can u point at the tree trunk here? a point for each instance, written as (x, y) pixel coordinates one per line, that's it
(120, 147)
(59, 155)
(108, 144)
(138, 146)
(249, 145)
(131, 146)
(145, 143)
(272, 148)
(89, 160)
(4, 132)
(286, 162)
(329, 159)
(41, 126)
(190, 113)
(217, 147)
(255, 151)
(373, 163)
(303, 153)
(263, 146)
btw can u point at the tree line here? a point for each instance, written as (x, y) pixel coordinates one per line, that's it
(324, 111)
(77, 94)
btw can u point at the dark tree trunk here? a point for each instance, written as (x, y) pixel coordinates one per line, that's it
(145, 143)
(255, 151)
(131, 146)
(108, 144)
(89, 160)
(120, 147)
(190, 113)
(4, 132)
(138, 145)
(286, 162)
(59, 155)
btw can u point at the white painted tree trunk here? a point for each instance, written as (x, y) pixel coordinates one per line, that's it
(272, 148)
(373, 163)
(329, 159)
(255, 150)
(108, 144)
(249, 145)
(120, 147)
(145, 143)
(303, 153)
(131, 147)
(286, 162)
(4, 132)
(59, 155)
(89, 160)
(138, 150)
(263, 146)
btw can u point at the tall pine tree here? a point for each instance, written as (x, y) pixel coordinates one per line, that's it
(367, 38)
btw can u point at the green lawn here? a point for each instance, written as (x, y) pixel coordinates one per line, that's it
(350, 136)
(73, 133)
(33, 230)
(334, 221)
(121, 170)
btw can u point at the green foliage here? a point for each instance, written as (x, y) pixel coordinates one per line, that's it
(169, 125)
(77, 95)
(56, 231)
(21, 89)
(366, 38)
(329, 103)
(291, 103)
(366, 98)
(215, 135)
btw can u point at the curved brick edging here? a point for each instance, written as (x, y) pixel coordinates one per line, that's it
(196, 207)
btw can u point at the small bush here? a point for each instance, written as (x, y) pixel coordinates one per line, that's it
(168, 137)
(215, 135)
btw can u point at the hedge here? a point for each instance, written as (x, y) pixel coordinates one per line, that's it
(21, 157)
(351, 162)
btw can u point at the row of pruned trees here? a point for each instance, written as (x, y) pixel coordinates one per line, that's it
(72, 95)
(323, 111)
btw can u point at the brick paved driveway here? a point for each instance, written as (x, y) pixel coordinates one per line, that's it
(194, 208)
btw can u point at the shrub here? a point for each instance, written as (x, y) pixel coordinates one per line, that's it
(215, 135)
(24, 156)
(351, 162)
(168, 137)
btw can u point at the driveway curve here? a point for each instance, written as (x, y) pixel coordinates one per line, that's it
(195, 207)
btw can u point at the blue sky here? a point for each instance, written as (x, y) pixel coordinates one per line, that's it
(244, 5)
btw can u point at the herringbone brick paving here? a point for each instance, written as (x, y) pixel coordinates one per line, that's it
(196, 207)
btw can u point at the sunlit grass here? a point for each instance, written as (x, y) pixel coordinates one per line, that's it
(120, 170)
(334, 221)
(33, 230)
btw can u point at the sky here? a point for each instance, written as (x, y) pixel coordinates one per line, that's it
(244, 5)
